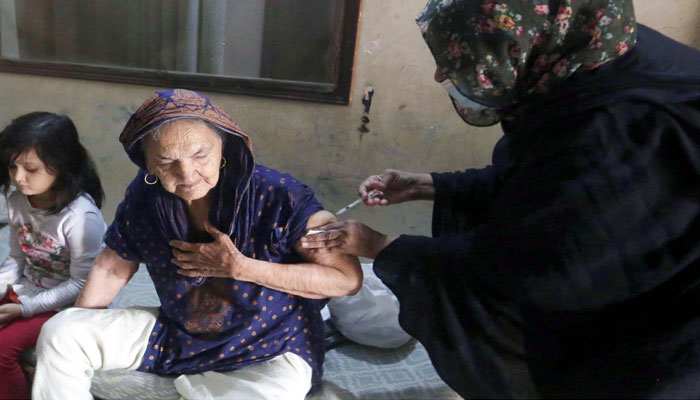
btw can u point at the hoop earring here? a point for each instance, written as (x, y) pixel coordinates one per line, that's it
(223, 162)
(145, 179)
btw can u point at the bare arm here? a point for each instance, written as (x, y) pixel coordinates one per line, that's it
(106, 278)
(329, 273)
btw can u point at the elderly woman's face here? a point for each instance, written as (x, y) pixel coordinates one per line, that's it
(185, 157)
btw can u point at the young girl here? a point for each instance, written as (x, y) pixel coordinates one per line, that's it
(56, 231)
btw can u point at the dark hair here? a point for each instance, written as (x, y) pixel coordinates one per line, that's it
(55, 140)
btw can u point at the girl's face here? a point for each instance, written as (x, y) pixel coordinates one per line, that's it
(30, 175)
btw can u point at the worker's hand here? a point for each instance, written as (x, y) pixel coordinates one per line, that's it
(349, 237)
(393, 186)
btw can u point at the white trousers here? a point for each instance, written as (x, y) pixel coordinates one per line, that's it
(76, 342)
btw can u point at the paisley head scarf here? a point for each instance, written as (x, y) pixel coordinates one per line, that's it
(170, 105)
(500, 53)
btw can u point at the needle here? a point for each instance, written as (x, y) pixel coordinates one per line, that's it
(349, 206)
(342, 210)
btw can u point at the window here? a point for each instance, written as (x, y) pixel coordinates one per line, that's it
(299, 49)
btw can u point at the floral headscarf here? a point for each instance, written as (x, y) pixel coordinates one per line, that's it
(500, 52)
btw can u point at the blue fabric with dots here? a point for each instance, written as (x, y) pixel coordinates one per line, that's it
(217, 324)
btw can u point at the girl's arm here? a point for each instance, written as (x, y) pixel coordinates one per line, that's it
(83, 233)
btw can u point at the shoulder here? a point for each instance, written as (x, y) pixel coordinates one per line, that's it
(638, 125)
(282, 202)
(16, 202)
(273, 189)
(84, 213)
(266, 176)
(603, 133)
(633, 152)
(138, 196)
(138, 189)
(270, 181)
(19, 209)
(83, 204)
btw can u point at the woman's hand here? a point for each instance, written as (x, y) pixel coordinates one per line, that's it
(393, 186)
(349, 237)
(219, 258)
(9, 312)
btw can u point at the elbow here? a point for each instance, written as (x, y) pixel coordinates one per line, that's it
(354, 290)
(353, 280)
(350, 288)
(355, 285)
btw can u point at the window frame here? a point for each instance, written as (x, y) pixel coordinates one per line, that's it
(338, 93)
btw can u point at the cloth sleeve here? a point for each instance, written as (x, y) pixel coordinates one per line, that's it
(84, 234)
(412, 257)
(462, 199)
(447, 308)
(11, 268)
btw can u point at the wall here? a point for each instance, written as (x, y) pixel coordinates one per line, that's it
(412, 124)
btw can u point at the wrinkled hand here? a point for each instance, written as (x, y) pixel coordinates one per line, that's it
(219, 258)
(393, 186)
(8, 312)
(349, 237)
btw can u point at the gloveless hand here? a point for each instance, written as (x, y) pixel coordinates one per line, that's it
(219, 258)
(394, 186)
(349, 237)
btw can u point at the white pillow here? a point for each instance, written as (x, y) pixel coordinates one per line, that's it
(371, 317)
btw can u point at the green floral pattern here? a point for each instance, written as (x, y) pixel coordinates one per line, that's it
(499, 53)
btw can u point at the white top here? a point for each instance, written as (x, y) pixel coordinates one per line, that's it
(50, 254)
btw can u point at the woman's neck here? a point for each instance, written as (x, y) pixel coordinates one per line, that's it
(199, 211)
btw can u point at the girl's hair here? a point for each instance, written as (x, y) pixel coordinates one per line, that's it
(55, 140)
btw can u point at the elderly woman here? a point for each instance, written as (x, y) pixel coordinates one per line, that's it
(240, 299)
(571, 266)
